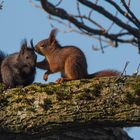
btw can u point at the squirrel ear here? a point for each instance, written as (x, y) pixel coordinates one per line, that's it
(32, 44)
(23, 46)
(52, 36)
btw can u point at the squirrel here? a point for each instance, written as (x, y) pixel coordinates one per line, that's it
(18, 69)
(69, 60)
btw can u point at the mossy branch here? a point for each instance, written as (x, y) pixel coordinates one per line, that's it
(49, 107)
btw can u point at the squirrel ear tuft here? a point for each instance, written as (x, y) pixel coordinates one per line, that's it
(52, 36)
(32, 44)
(23, 46)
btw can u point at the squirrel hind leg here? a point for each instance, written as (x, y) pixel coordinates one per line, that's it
(62, 79)
(75, 68)
(68, 77)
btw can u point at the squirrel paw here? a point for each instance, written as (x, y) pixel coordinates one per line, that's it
(45, 77)
(60, 80)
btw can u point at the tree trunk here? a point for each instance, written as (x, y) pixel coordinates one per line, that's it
(77, 110)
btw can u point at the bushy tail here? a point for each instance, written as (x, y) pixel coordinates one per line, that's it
(2, 56)
(104, 73)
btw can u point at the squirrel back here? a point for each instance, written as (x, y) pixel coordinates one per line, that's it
(69, 60)
(18, 69)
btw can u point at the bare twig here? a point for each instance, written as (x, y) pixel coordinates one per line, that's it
(91, 21)
(86, 23)
(108, 15)
(124, 70)
(129, 3)
(112, 22)
(1, 5)
(122, 12)
(130, 12)
(101, 45)
(59, 2)
(137, 71)
(79, 12)
(34, 5)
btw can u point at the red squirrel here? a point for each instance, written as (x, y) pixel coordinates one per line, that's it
(69, 60)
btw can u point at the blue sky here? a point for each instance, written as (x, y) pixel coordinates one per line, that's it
(19, 20)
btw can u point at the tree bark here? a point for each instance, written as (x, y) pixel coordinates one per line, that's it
(80, 109)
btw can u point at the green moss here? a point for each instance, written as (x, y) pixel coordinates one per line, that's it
(31, 108)
(3, 101)
(84, 81)
(2, 87)
(50, 89)
(137, 91)
(89, 93)
(63, 96)
(96, 90)
(130, 98)
(28, 101)
(85, 96)
(18, 100)
(20, 108)
(47, 104)
(64, 92)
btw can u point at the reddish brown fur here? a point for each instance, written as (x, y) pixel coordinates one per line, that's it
(105, 73)
(69, 60)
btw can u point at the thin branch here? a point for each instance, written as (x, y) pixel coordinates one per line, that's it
(101, 45)
(72, 29)
(108, 15)
(92, 21)
(112, 22)
(1, 5)
(124, 70)
(61, 13)
(79, 12)
(137, 71)
(129, 3)
(86, 24)
(118, 8)
(122, 28)
(59, 2)
(130, 12)
(48, 7)
(34, 5)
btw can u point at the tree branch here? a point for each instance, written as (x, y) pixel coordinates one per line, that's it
(83, 22)
(61, 13)
(102, 102)
(131, 13)
(118, 8)
(1, 5)
(104, 12)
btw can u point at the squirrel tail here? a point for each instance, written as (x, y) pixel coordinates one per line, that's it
(2, 56)
(104, 73)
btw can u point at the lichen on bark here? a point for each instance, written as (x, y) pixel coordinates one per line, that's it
(53, 107)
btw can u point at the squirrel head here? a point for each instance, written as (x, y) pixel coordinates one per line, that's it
(43, 46)
(27, 55)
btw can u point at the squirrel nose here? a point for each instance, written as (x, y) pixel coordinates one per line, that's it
(36, 48)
